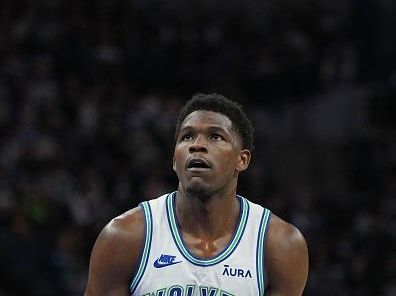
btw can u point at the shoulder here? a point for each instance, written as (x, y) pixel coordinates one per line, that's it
(128, 226)
(286, 257)
(284, 236)
(122, 237)
(116, 252)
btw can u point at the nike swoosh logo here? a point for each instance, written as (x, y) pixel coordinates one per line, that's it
(159, 264)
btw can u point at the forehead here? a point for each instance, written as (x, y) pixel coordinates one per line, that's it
(202, 119)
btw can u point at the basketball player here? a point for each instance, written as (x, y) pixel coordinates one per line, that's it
(202, 239)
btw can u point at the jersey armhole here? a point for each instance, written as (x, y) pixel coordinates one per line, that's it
(144, 254)
(262, 279)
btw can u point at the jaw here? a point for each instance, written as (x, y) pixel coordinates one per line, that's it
(203, 190)
(196, 187)
(203, 183)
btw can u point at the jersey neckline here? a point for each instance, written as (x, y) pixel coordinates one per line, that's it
(229, 248)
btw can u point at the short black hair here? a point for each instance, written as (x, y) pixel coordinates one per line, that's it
(220, 104)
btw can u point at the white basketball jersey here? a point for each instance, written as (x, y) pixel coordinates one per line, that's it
(168, 268)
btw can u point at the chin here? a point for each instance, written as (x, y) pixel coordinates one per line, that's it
(199, 190)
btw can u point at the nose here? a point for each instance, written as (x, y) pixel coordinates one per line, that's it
(198, 145)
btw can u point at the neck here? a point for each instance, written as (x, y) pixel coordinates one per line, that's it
(209, 216)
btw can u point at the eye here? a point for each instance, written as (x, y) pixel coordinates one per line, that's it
(216, 137)
(186, 137)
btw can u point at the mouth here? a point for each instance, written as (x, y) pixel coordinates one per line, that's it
(198, 165)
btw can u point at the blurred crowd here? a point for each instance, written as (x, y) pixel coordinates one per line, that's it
(90, 92)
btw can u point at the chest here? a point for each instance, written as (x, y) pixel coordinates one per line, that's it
(205, 248)
(176, 264)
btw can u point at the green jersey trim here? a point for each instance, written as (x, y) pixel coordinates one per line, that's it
(146, 248)
(260, 256)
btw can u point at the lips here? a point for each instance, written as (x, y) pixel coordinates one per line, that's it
(198, 164)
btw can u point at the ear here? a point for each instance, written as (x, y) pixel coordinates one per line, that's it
(243, 160)
(174, 163)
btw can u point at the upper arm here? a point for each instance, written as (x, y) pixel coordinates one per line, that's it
(286, 259)
(115, 255)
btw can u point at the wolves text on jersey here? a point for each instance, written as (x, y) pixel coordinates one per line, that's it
(189, 291)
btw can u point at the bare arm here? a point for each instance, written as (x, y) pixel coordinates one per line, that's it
(115, 255)
(287, 259)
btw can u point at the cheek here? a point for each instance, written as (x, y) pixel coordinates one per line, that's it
(177, 159)
(231, 159)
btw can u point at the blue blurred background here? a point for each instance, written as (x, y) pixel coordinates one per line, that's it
(90, 92)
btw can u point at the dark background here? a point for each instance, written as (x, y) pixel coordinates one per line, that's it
(90, 92)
